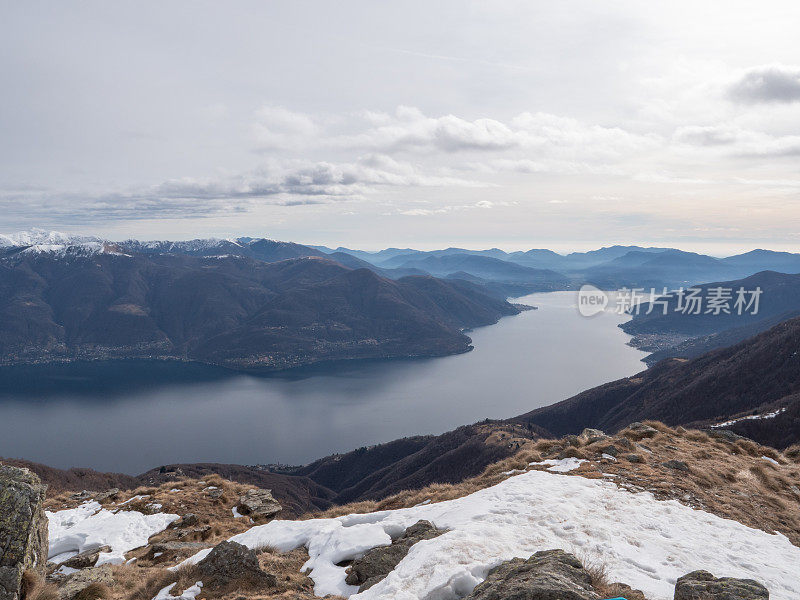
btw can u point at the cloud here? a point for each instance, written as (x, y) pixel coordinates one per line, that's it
(707, 136)
(540, 134)
(276, 127)
(742, 143)
(768, 84)
(409, 129)
(289, 183)
(424, 212)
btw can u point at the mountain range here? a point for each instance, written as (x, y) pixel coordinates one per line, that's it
(607, 268)
(88, 301)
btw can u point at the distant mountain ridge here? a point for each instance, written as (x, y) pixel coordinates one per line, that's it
(226, 309)
(611, 267)
(497, 271)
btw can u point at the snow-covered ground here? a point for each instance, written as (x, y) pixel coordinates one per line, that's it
(90, 526)
(643, 542)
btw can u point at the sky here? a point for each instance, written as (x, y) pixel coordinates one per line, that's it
(512, 124)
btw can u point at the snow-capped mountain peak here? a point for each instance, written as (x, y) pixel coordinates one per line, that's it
(43, 237)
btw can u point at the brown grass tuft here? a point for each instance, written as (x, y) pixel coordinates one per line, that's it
(33, 588)
(572, 452)
(793, 453)
(152, 585)
(94, 591)
(748, 447)
(666, 429)
(697, 436)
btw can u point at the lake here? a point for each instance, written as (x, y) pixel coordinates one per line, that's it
(130, 416)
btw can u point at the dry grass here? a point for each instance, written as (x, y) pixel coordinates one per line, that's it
(129, 586)
(33, 588)
(94, 591)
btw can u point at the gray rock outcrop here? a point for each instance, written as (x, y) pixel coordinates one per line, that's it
(23, 528)
(702, 585)
(74, 584)
(677, 465)
(379, 562)
(258, 504)
(229, 564)
(639, 431)
(547, 575)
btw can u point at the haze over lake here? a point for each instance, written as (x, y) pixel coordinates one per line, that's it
(132, 416)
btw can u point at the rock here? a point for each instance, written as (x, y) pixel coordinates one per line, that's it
(640, 431)
(81, 496)
(547, 575)
(85, 559)
(259, 504)
(203, 532)
(625, 591)
(591, 436)
(702, 585)
(188, 520)
(23, 528)
(110, 494)
(232, 563)
(553, 450)
(215, 492)
(611, 450)
(379, 562)
(678, 465)
(73, 584)
(573, 440)
(634, 458)
(624, 442)
(725, 435)
(169, 550)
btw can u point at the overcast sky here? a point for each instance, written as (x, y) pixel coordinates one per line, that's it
(515, 124)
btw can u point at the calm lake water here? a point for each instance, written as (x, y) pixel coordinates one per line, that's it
(134, 415)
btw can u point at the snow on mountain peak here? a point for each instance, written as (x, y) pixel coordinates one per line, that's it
(36, 236)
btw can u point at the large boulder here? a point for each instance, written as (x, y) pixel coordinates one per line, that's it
(258, 504)
(379, 562)
(590, 436)
(639, 431)
(547, 575)
(702, 585)
(23, 528)
(231, 564)
(75, 583)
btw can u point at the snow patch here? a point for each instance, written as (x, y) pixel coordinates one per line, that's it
(644, 542)
(188, 594)
(770, 415)
(89, 526)
(561, 465)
